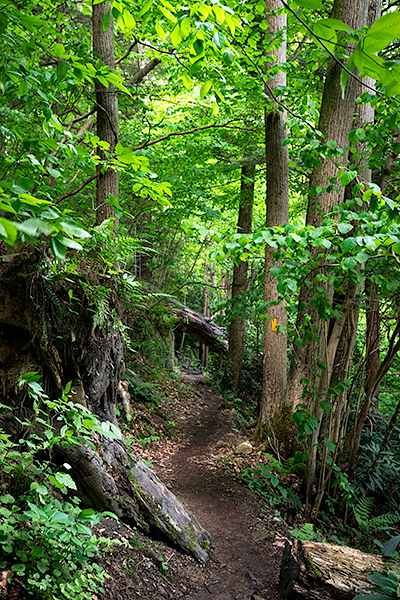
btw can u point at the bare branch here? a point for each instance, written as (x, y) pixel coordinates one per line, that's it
(175, 133)
(141, 74)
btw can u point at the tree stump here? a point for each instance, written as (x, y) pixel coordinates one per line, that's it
(318, 571)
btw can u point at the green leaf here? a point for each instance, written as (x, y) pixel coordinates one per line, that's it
(326, 35)
(65, 480)
(198, 46)
(35, 227)
(344, 227)
(186, 80)
(70, 243)
(205, 88)
(326, 406)
(349, 263)
(383, 31)
(129, 21)
(168, 14)
(176, 36)
(62, 69)
(74, 230)
(329, 444)
(106, 22)
(335, 24)
(390, 546)
(160, 32)
(218, 39)
(3, 23)
(347, 177)
(8, 231)
(58, 249)
(228, 56)
(7, 499)
(348, 244)
(312, 4)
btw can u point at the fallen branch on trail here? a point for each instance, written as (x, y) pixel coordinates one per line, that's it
(199, 327)
(318, 571)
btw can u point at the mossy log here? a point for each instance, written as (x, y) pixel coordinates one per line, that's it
(318, 571)
(200, 327)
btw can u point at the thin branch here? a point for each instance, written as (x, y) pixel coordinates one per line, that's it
(141, 74)
(78, 189)
(93, 177)
(127, 53)
(169, 135)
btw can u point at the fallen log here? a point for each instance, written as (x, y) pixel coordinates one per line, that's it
(200, 327)
(318, 571)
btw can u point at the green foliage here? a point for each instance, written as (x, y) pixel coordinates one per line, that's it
(362, 509)
(45, 541)
(384, 587)
(306, 532)
(265, 482)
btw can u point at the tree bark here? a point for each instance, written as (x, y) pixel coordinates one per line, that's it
(319, 342)
(277, 214)
(316, 571)
(200, 327)
(237, 327)
(335, 123)
(107, 113)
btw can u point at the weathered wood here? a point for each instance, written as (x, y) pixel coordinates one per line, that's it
(318, 571)
(200, 327)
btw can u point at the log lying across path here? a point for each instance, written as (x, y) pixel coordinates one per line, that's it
(316, 571)
(200, 327)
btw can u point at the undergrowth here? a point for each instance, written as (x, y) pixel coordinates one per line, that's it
(46, 540)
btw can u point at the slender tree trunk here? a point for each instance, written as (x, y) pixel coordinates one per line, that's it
(277, 213)
(237, 327)
(107, 113)
(373, 345)
(335, 123)
(206, 312)
(320, 342)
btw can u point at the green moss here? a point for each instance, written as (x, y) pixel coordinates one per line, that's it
(312, 569)
(205, 544)
(280, 429)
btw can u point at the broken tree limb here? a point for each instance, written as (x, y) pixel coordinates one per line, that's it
(316, 571)
(200, 327)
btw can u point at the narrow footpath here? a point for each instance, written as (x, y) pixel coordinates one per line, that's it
(244, 560)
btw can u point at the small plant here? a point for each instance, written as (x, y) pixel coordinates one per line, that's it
(362, 511)
(306, 532)
(265, 482)
(45, 541)
(384, 588)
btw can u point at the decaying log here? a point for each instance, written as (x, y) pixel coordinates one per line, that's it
(318, 571)
(200, 327)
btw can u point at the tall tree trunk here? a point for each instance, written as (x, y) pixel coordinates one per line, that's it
(107, 113)
(335, 123)
(277, 213)
(319, 348)
(237, 327)
(206, 312)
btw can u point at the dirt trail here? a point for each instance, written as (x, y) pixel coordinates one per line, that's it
(242, 566)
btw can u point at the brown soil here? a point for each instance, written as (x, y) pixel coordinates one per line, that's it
(246, 553)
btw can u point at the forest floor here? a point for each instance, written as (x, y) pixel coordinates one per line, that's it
(196, 459)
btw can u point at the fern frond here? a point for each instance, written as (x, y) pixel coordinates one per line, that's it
(362, 510)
